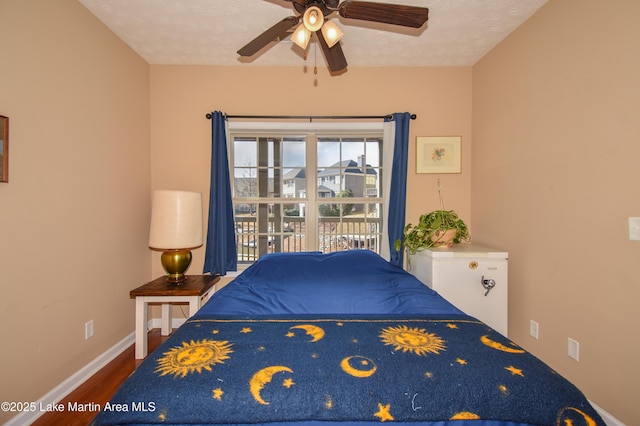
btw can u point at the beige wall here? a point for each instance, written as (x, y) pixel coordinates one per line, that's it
(181, 135)
(556, 143)
(74, 216)
(94, 129)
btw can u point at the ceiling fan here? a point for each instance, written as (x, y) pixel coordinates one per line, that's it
(314, 14)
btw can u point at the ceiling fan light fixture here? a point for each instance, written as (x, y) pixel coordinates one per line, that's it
(301, 36)
(313, 19)
(332, 33)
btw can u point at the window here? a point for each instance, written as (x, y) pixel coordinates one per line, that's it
(306, 190)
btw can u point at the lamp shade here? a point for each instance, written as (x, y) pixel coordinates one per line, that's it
(176, 220)
(313, 18)
(301, 36)
(332, 33)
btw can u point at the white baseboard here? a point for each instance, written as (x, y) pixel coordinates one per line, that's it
(58, 393)
(608, 418)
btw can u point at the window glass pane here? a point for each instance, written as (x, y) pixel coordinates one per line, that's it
(270, 193)
(263, 228)
(293, 153)
(244, 152)
(328, 152)
(344, 226)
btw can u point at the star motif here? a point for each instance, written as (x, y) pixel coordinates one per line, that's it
(288, 383)
(217, 394)
(514, 371)
(383, 412)
(503, 390)
(428, 375)
(461, 361)
(452, 326)
(215, 331)
(246, 330)
(340, 324)
(290, 334)
(328, 402)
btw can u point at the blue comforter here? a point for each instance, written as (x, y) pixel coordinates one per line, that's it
(349, 282)
(346, 338)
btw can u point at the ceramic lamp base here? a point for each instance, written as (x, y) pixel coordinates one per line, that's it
(175, 263)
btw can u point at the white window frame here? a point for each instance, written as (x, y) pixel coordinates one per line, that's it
(309, 131)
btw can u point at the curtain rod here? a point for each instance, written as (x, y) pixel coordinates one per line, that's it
(312, 117)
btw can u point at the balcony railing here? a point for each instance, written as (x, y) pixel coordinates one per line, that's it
(334, 234)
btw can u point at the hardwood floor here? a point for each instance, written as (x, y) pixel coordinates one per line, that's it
(100, 387)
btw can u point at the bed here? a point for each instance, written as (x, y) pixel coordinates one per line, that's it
(340, 339)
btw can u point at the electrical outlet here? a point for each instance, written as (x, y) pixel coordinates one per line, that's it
(573, 349)
(533, 329)
(88, 329)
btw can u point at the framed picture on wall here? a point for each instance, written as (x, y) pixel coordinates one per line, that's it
(438, 154)
(4, 148)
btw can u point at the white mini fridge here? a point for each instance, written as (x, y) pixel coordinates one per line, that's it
(472, 278)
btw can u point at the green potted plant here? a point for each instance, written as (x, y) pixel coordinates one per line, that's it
(435, 229)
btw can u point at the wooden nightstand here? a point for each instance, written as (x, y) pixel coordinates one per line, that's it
(195, 290)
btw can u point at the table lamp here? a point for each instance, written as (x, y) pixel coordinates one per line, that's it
(176, 229)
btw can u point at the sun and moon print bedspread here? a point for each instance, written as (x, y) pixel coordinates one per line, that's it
(233, 370)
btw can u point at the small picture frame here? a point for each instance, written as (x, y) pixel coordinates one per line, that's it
(4, 148)
(438, 154)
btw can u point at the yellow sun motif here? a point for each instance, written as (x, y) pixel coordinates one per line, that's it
(217, 394)
(514, 371)
(383, 412)
(413, 340)
(192, 357)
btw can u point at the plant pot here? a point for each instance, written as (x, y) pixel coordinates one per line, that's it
(443, 238)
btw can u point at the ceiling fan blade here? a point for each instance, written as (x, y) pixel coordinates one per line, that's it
(334, 55)
(268, 36)
(395, 14)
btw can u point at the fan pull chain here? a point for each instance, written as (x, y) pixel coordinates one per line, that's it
(315, 65)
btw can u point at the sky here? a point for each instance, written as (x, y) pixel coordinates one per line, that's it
(293, 153)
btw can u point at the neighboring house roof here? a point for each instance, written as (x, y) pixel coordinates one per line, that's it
(323, 188)
(346, 166)
(298, 173)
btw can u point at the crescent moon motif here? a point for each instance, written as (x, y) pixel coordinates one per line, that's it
(348, 368)
(261, 378)
(312, 330)
(564, 415)
(499, 346)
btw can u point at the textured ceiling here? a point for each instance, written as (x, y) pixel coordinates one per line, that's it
(209, 32)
